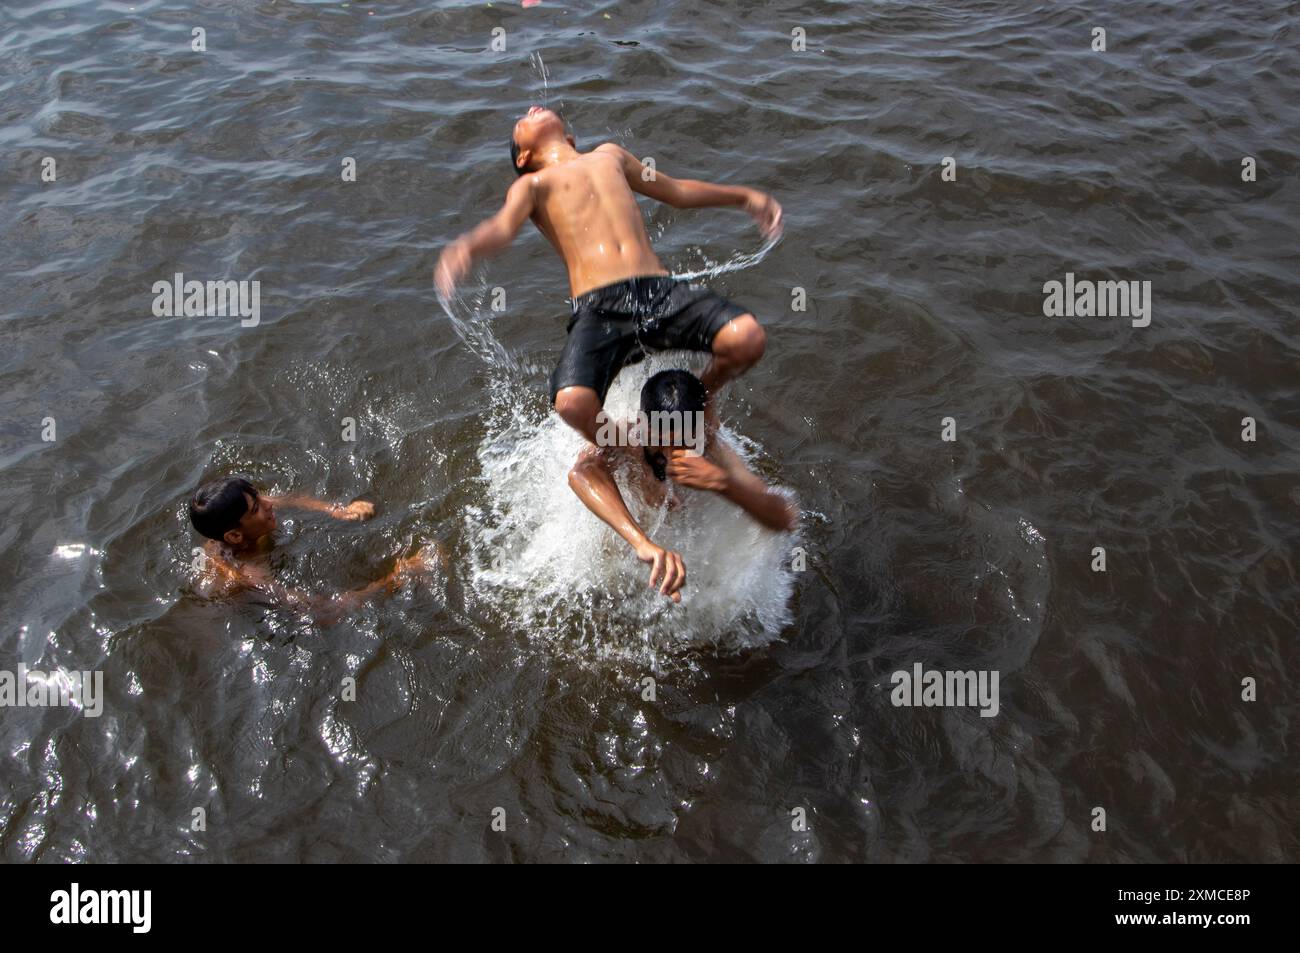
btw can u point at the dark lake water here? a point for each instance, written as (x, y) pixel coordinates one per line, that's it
(514, 679)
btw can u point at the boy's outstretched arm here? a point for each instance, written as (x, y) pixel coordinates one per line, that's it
(690, 193)
(591, 480)
(730, 477)
(487, 238)
(356, 510)
(325, 609)
(403, 569)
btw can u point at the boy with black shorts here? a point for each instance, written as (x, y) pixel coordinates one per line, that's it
(624, 301)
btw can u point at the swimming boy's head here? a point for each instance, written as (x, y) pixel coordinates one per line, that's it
(535, 129)
(232, 511)
(672, 408)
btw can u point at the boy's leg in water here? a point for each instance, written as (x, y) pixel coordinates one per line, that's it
(736, 348)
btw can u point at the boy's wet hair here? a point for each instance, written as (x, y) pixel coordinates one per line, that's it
(668, 392)
(218, 506)
(514, 156)
(673, 390)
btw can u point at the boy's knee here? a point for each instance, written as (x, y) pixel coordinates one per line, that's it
(577, 406)
(576, 477)
(751, 340)
(580, 472)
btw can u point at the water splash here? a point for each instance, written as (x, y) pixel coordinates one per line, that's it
(538, 64)
(737, 262)
(475, 331)
(550, 568)
(545, 76)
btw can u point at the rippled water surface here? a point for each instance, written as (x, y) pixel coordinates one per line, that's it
(514, 679)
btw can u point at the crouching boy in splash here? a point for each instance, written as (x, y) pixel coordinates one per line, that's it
(678, 445)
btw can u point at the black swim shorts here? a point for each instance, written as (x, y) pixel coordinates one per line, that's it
(618, 324)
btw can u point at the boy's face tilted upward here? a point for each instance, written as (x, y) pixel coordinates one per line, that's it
(537, 127)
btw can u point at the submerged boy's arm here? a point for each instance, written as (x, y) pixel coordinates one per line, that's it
(236, 577)
(403, 569)
(356, 510)
(327, 609)
(730, 477)
(691, 193)
(488, 238)
(591, 479)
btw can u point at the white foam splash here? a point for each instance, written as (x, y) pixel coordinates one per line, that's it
(734, 263)
(536, 60)
(559, 573)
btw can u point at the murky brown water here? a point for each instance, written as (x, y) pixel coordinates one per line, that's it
(514, 680)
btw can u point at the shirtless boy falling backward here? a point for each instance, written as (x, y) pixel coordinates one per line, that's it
(624, 300)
